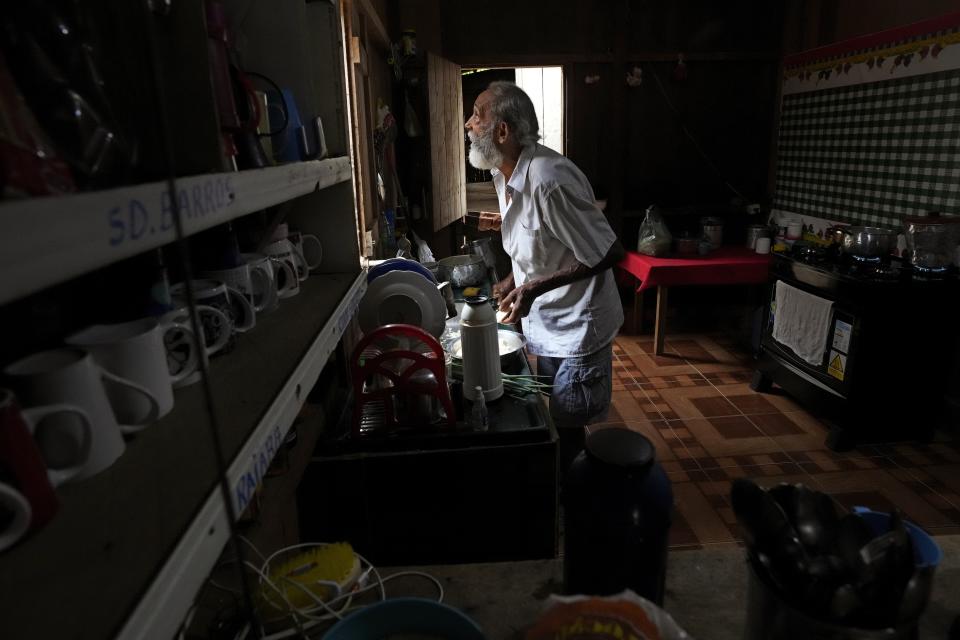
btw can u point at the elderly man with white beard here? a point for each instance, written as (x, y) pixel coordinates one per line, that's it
(562, 250)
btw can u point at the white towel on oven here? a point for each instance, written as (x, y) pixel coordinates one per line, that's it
(802, 322)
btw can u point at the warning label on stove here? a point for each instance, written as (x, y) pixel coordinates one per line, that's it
(841, 336)
(838, 364)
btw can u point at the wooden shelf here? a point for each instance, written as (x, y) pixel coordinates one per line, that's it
(131, 546)
(51, 240)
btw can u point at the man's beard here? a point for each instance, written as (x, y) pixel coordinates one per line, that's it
(483, 152)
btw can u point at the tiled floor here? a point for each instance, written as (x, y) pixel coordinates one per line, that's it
(696, 406)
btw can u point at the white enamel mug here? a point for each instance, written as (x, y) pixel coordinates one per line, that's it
(135, 351)
(71, 376)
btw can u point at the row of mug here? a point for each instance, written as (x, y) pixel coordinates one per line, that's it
(264, 279)
(112, 380)
(229, 300)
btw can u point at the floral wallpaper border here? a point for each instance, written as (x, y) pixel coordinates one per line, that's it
(924, 47)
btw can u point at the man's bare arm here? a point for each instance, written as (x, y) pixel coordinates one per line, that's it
(519, 301)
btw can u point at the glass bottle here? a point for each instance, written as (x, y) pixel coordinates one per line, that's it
(479, 419)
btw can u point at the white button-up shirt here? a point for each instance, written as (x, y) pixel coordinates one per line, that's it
(550, 222)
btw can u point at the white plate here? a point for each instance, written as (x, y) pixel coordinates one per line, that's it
(403, 297)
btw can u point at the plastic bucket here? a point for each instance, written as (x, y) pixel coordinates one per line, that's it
(405, 615)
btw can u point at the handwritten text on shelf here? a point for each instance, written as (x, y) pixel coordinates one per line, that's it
(135, 219)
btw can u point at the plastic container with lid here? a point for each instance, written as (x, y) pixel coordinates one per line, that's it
(712, 230)
(617, 501)
(754, 232)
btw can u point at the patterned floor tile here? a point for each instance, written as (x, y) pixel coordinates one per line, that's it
(724, 437)
(749, 401)
(725, 378)
(666, 365)
(709, 428)
(670, 382)
(766, 475)
(633, 405)
(698, 512)
(695, 402)
(882, 491)
(682, 535)
(822, 461)
(794, 431)
(633, 345)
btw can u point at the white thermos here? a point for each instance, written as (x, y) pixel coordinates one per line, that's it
(480, 349)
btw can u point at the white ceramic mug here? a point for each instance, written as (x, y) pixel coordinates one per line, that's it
(281, 278)
(251, 282)
(215, 333)
(135, 351)
(71, 376)
(309, 249)
(215, 293)
(763, 245)
(284, 251)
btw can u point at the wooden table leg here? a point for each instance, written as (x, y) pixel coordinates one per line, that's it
(660, 327)
(637, 310)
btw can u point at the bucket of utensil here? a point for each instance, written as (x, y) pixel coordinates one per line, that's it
(771, 615)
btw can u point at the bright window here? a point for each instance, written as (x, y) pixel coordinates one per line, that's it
(544, 85)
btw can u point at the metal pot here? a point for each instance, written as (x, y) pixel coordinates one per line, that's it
(464, 271)
(834, 235)
(508, 344)
(869, 242)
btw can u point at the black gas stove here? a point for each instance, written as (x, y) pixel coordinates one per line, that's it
(887, 348)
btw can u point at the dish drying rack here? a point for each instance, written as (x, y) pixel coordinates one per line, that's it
(394, 362)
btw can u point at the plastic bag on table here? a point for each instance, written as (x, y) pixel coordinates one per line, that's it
(654, 238)
(624, 615)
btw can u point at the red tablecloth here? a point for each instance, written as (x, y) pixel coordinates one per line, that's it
(726, 265)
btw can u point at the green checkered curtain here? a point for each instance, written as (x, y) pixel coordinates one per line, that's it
(871, 153)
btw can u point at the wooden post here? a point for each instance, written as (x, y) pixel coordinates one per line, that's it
(660, 328)
(637, 309)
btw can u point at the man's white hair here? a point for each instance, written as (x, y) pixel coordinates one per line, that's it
(512, 105)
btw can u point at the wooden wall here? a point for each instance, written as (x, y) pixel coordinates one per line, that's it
(630, 141)
(814, 23)
(698, 145)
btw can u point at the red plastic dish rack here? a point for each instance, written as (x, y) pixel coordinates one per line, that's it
(373, 408)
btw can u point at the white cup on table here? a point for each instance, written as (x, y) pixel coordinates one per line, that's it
(763, 245)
